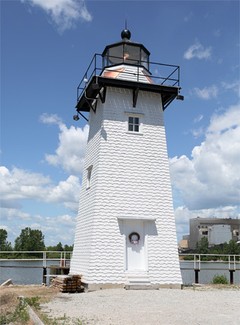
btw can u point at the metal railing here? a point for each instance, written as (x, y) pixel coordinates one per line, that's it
(200, 260)
(161, 74)
(197, 262)
(62, 256)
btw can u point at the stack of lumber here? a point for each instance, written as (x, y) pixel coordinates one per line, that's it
(67, 283)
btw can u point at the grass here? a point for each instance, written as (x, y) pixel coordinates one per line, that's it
(14, 309)
(59, 321)
(18, 316)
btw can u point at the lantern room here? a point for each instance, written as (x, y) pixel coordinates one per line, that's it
(126, 52)
(126, 64)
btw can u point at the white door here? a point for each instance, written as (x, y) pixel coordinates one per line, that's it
(135, 249)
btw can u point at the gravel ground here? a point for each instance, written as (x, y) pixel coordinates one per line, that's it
(208, 306)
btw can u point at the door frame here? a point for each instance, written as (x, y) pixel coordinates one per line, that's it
(126, 239)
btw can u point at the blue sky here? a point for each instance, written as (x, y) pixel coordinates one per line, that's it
(46, 46)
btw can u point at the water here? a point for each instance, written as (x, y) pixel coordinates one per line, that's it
(31, 272)
(24, 272)
(207, 271)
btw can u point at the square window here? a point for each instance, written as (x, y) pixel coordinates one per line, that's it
(133, 124)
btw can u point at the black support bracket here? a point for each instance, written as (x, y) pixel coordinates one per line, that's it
(102, 94)
(135, 96)
(91, 105)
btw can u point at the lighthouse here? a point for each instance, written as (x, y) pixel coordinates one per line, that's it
(125, 231)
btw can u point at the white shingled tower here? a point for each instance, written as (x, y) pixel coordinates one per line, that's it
(125, 232)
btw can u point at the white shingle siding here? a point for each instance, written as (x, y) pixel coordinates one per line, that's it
(130, 178)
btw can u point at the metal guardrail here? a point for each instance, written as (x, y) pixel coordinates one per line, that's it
(198, 260)
(162, 74)
(63, 256)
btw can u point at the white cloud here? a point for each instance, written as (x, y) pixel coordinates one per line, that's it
(71, 148)
(67, 192)
(212, 91)
(211, 177)
(63, 13)
(17, 185)
(197, 132)
(51, 119)
(198, 51)
(11, 214)
(58, 228)
(198, 118)
(183, 215)
(228, 120)
(20, 188)
(206, 93)
(235, 86)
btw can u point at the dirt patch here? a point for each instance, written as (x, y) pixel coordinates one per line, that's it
(9, 300)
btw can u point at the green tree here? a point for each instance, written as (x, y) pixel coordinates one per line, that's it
(202, 246)
(4, 244)
(30, 240)
(59, 247)
(68, 248)
(232, 248)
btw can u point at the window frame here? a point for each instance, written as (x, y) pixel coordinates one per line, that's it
(89, 177)
(136, 123)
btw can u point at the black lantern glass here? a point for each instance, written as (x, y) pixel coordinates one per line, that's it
(126, 52)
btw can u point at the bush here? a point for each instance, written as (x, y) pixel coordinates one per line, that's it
(220, 279)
